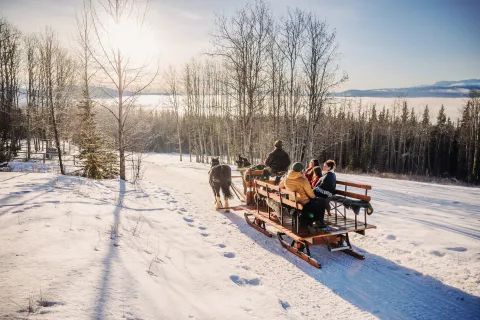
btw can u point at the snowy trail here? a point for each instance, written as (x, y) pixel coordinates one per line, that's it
(377, 285)
(261, 266)
(110, 250)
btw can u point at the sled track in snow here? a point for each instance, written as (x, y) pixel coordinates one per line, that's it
(378, 286)
(16, 176)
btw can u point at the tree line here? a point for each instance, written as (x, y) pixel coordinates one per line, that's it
(360, 139)
(263, 78)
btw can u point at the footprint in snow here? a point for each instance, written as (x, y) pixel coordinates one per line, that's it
(229, 255)
(391, 237)
(247, 309)
(437, 253)
(188, 220)
(242, 281)
(458, 249)
(182, 209)
(221, 245)
(202, 228)
(285, 305)
(204, 234)
(20, 192)
(191, 225)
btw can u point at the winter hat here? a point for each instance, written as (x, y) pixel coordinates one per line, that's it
(298, 167)
(278, 143)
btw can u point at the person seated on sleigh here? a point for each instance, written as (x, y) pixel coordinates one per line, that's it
(277, 162)
(313, 207)
(309, 173)
(317, 174)
(325, 186)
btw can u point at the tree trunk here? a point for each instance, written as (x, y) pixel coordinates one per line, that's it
(57, 139)
(121, 149)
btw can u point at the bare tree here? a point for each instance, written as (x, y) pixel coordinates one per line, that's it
(9, 85)
(277, 80)
(119, 68)
(290, 43)
(98, 161)
(242, 42)
(173, 91)
(31, 66)
(321, 72)
(58, 71)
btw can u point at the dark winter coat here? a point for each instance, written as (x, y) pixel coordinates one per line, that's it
(278, 160)
(326, 185)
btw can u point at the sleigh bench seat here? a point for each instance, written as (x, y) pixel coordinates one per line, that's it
(282, 205)
(280, 209)
(356, 200)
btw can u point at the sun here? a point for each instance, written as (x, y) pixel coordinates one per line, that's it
(135, 41)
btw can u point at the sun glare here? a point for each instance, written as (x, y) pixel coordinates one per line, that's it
(136, 42)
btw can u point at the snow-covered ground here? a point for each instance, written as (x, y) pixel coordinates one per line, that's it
(158, 250)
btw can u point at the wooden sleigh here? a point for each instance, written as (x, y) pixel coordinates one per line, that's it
(261, 196)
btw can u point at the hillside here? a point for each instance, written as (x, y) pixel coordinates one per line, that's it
(106, 249)
(441, 89)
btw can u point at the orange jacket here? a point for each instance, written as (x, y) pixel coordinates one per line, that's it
(296, 182)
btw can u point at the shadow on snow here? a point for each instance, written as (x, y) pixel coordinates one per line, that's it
(376, 285)
(103, 295)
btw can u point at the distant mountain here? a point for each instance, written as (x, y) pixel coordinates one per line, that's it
(441, 89)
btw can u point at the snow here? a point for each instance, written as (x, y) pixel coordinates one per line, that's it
(452, 106)
(34, 166)
(159, 250)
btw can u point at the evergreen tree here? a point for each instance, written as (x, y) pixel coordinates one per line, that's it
(426, 117)
(441, 118)
(98, 162)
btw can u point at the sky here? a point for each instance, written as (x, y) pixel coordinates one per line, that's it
(383, 43)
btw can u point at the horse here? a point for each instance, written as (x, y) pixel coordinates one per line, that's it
(243, 162)
(220, 177)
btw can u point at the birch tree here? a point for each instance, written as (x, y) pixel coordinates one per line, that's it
(117, 60)
(242, 43)
(322, 74)
(58, 76)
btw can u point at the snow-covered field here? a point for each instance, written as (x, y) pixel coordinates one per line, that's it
(452, 106)
(111, 250)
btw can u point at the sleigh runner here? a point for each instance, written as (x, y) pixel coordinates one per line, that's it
(270, 205)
